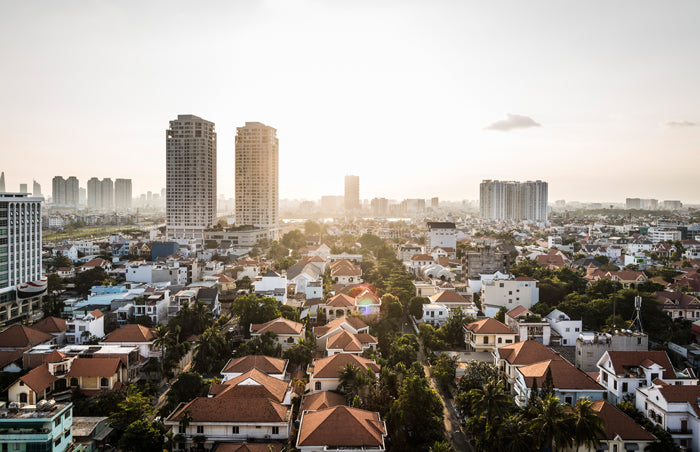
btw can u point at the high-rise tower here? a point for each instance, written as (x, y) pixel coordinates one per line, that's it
(190, 177)
(510, 200)
(257, 177)
(122, 194)
(352, 193)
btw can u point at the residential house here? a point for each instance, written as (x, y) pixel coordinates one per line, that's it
(20, 337)
(590, 347)
(509, 293)
(97, 262)
(353, 325)
(565, 327)
(679, 305)
(286, 331)
(271, 284)
(341, 428)
(134, 335)
(274, 367)
(529, 325)
(675, 409)
(366, 304)
(345, 272)
(509, 357)
(325, 372)
(488, 334)
(346, 342)
(54, 326)
(450, 299)
(321, 400)
(82, 327)
(65, 272)
(69, 251)
(434, 314)
(622, 372)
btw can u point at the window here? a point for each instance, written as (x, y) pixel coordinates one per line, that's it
(614, 384)
(568, 400)
(486, 339)
(624, 387)
(500, 340)
(275, 430)
(182, 429)
(605, 377)
(317, 386)
(200, 429)
(235, 430)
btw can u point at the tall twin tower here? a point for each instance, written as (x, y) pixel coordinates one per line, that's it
(191, 177)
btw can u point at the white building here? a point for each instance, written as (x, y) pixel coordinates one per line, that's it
(257, 177)
(150, 273)
(434, 314)
(190, 177)
(674, 409)
(81, 328)
(510, 293)
(510, 200)
(657, 234)
(441, 234)
(568, 329)
(20, 255)
(122, 194)
(272, 284)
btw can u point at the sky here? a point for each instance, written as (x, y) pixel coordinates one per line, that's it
(418, 98)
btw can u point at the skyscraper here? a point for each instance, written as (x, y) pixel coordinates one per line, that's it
(122, 194)
(257, 177)
(36, 189)
(65, 192)
(100, 194)
(72, 192)
(352, 193)
(23, 188)
(2, 182)
(510, 200)
(107, 202)
(190, 148)
(20, 253)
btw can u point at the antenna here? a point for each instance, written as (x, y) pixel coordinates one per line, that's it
(637, 317)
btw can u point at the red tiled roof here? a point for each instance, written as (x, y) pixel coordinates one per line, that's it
(526, 352)
(255, 381)
(96, 314)
(97, 262)
(341, 426)
(564, 375)
(131, 333)
(619, 424)
(263, 363)
(518, 311)
(489, 326)
(344, 341)
(331, 366)
(20, 336)
(234, 409)
(245, 447)
(94, 367)
(50, 325)
(38, 378)
(422, 257)
(341, 300)
(447, 296)
(321, 400)
(355, 322)
(626, 359)
(280, 325)
(10, 356)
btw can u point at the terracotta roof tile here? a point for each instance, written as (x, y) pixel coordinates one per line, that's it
(526, 352)
(94, 367)
(489, 326)
(262, 363)
(50, 325)
(341, 426)
(234, 409)
(331, 366)
(564, 375)
(355, 322)
(626, 359)
(131, 333)
(321, 400)
(255, 381)
(619, 424)
(341, 300)
(280, 325)
(252, 447)
(20, 336)
(38, 378)
(447, 296)
(344, 341)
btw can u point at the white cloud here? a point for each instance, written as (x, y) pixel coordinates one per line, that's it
(513, 122)
(674, 124)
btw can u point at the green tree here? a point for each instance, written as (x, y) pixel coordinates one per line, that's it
(212, 351)
(553, 424)
(501, 314)
(88, 278)
(135, 407)
(187, 386)
(444, 371)
(588, 427)
(294, 239)
(251, 309)
(416, 416)
(162, 339)
(142, 436)
(415, 306)
(60, 260)
(300, 354)
(312, 228)
(477, 374)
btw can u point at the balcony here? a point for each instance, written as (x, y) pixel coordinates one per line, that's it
(680, 431)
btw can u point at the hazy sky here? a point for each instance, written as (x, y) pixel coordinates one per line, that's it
(420, 99)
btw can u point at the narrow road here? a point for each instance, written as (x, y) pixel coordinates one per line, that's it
(452, 428)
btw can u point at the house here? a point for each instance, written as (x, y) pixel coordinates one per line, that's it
(65, 272)
(251, 407)
(324, 372)
(627, 278)
(134, 335)
(96, 262)
(271, 284)
(565, 327)
(452, 301)
(346, 342)
(417, 261)
(553, 259)
(341, 428)
(434, 314)
(273, 367)
(69, 251)
(11, 361)
(354, 325)
(286, 331)
(54, 326)
(93, 375)
(509, 293)
(509, 357)
(366, 305)
(488, 334)
(321, 400)
(345, 272)
(407, 250)
(530, 326)
(81, 328)
(210, 298)
(570, 384)
(679, 305)
(42, 427)
(674, 409)
(620, 432)
(306, 277)
(622, 372)
(16, 337)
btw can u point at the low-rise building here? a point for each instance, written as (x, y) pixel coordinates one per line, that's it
(44, 427)
(341, 428)
(487, 335)
(679, 305)
(510, 293)
(674, 409)
(530, 326)
(287, 333)
(83, 327)
(325, 372)
(568, 329)
(434, 314)
(274, 367)
(590, 347)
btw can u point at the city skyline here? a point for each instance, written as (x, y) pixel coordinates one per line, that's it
(506, 90)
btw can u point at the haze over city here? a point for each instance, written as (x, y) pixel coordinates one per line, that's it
(419, 99)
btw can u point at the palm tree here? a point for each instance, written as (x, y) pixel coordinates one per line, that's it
(492, 400)
(348, 378)
(514, 435)
(161, 340)
(588, 426)
(553, 424)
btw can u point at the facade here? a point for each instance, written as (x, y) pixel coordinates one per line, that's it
(509, 293)
(352, 193)
(287, 333)
(190, 177)
(65, 192)
(45, 427)
(36, 189)
(325, 372)
(440, 234)
(510, 200)
(100, 194)
(434, 314)
(81, 328)
(122, 194)
(341, 428)
(257, 176)
(590, 347)
(487, 335)
(20, 255)
(380, 207)
(568, 329)
(487, 260)
(674, 409)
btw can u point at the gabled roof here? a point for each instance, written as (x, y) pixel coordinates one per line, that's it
(38, 378)
(341, 301)
(97, 262)
(344, 341)
(50, 325)
(280, 325)
(131, 333)
(447, 296)
(234, 409)
(677, 300)
(489, 326)
(10, 356)
(341, 426)
(564, 375)
(526, 352)
(354, 322)
(96, 314)
(619, 424)
(331, 366)
(623, 360)
(422, 257)
(367, 297)
(253, 383)
(94, 367)
(54, 357)
(518, 311)
(20, 336)
(322, 400)
(262, 363)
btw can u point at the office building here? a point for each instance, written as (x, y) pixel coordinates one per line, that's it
(352, 193)
(36, 189)
(65, 192)
(257, 177)
(20, 255)
(510, 200)
(122, 194)
(190, 177)
(380, 207)
(23, 188)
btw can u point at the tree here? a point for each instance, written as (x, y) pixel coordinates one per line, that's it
(491, 401)
(553, 424)
(212, 352)
(135, 407)
(251, 309)
(501, 314)
(187, 386)
(453, 329)
(300, 354)
(86, 279)
(386, 300)
(161, 340)
(312, 228)
(444, 371)
(142, 436)
(416, 416)
(59, 260)
(244, 283)
(514, 434)
(294, 239)
(477, 374)
(415, 306)
(588, 427)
